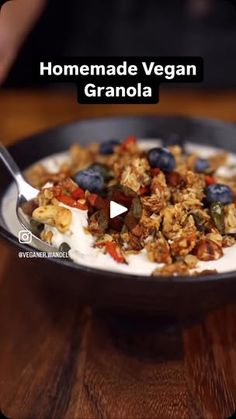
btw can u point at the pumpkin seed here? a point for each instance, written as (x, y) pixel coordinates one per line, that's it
(217, 215)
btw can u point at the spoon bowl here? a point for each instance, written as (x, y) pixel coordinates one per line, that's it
(26, 193)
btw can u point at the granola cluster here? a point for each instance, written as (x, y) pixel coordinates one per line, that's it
(179, 223)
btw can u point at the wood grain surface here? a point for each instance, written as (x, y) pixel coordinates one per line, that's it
(60, 360)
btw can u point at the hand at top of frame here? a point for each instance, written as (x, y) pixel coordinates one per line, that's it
(2, 2)
(17, 18)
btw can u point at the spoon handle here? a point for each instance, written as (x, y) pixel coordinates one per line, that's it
(10, 163)
(16, 173)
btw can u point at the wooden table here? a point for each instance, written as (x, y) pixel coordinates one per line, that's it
(59, 360)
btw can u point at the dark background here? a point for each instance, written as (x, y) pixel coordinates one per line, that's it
(204, 28)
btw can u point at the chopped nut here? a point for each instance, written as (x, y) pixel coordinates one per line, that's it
(174, 269)
(63, 219)
(47, 236)
(136, 174)
(153, 203)
(228, 241)
(36, 175)
(208, 250)
(158, 250)
(215, 236)
(53, 215)
(159, 187)
(230, 219)
(184, 244)
(191, 261)
(175, 218)
(206, 272)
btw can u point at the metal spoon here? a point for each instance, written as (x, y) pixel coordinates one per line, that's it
(25, 194)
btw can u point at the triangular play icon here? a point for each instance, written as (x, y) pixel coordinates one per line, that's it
(116, 209)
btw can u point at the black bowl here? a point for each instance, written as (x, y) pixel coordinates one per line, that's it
(116, 291)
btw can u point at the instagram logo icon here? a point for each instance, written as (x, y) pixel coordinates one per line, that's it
(25, 237)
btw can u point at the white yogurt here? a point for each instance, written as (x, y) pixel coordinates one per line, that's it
(83, 252)
(81, 242)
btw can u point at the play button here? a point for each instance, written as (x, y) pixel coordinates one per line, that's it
(119, 208)
(116, 209)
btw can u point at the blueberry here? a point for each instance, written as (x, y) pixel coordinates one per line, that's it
(201, 165)
(219, 193)
(89, 180)
(162, 158)
(107, 147)
(104, 170)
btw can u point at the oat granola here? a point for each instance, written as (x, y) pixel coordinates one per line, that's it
(188, 212)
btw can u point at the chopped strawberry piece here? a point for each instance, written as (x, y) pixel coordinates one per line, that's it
(209, 180)
(67, 200)
(128, 142)
(78, 193)
(114, 251)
